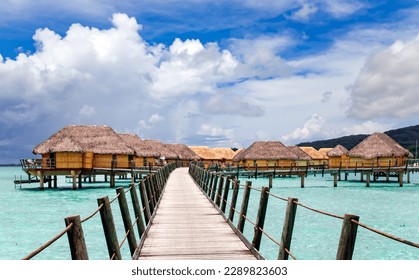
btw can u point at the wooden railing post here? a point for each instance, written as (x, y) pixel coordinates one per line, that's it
(126, 218)
(245, 203)
(150, 194)
(236, 188)
(137, 211)
(211, 180)
(260, 219)
(76, 238)
(144, 201)
(211, 192)
(225, 194)
(109, 228)
(347, 238)
(286, 236)
(219, 191)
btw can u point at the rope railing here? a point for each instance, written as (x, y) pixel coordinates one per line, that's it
(48, 243)
(154, 189)
(410, 243)
(347, 239)
(319, 211)
(93, 214)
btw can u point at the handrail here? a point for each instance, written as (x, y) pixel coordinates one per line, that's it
(158, 182)
(407, 242)
(48, 243)
(201, 183)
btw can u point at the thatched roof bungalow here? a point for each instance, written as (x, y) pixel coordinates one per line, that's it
(377, 150)
(84, 146)
(144, 154)
(266, 153)
(338, 157)
(165, 153)
(211, 156)
(317, 158)
(186, 155)
(303, 157)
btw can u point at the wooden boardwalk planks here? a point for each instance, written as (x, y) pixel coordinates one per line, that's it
(187, 226)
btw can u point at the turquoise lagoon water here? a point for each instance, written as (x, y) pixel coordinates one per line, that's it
(30, 217)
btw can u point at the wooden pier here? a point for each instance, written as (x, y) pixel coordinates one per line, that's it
(187, 226)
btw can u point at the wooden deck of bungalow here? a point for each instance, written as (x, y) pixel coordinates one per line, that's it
(187, 226)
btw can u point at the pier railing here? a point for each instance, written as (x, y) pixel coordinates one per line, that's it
(150, 189)
(217, 188)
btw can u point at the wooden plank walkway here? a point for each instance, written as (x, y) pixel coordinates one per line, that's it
(187, 226)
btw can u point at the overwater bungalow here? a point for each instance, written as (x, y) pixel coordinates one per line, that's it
(144, 154)
(166, 155)
(303, 158)
(338, 157)
(77, 150)
(84, 147)
(317, 158)
(378, 150)
(266, 154)
(186, 155)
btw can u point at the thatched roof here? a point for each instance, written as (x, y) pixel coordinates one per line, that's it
(204, 152)
(162, 149)
(183, 152)
(378, 145)
(324, 152)
(337, 151)
(84, 138)
(224, 153)
(140, 146)
(300, 153)
(313, 153)
(266, 150)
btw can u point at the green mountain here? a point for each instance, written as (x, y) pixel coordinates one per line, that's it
(406, 137)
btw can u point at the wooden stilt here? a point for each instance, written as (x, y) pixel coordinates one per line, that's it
(368, 178)
(302, 180)
(55, 181)
(41, 179)
(401, 179)
(335, 180)
(74, 179)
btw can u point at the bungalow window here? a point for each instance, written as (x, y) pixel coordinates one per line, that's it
(144, 161)
(51, 162)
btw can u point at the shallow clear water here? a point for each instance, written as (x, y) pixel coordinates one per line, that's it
(31, 216)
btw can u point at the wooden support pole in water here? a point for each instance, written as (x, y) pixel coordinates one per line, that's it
(260, 218)
(76, 238)
(270, 180)
(368, 174)
(362, 176)
(80, 184)
(144, 202)
(225, 194)
(346, 176)
(302, 180)
(287, 229)
(109, 228)
(40, 174)
(126, 218)
(408, 177)
(137, 211)
(219, 191)
(49, 181)
(335, 180)
(400, 179)
(74, 179)
(236, 187)
(347, 238)
(244, 206)
(55, 182)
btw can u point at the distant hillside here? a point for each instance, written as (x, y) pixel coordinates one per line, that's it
(406, 137)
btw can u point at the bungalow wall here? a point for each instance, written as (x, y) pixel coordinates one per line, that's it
(280, 164)
(63, 160)
(336, 162)
(102, 161)
(377, 162)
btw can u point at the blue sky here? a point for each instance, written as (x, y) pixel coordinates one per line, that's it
(200, 72)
